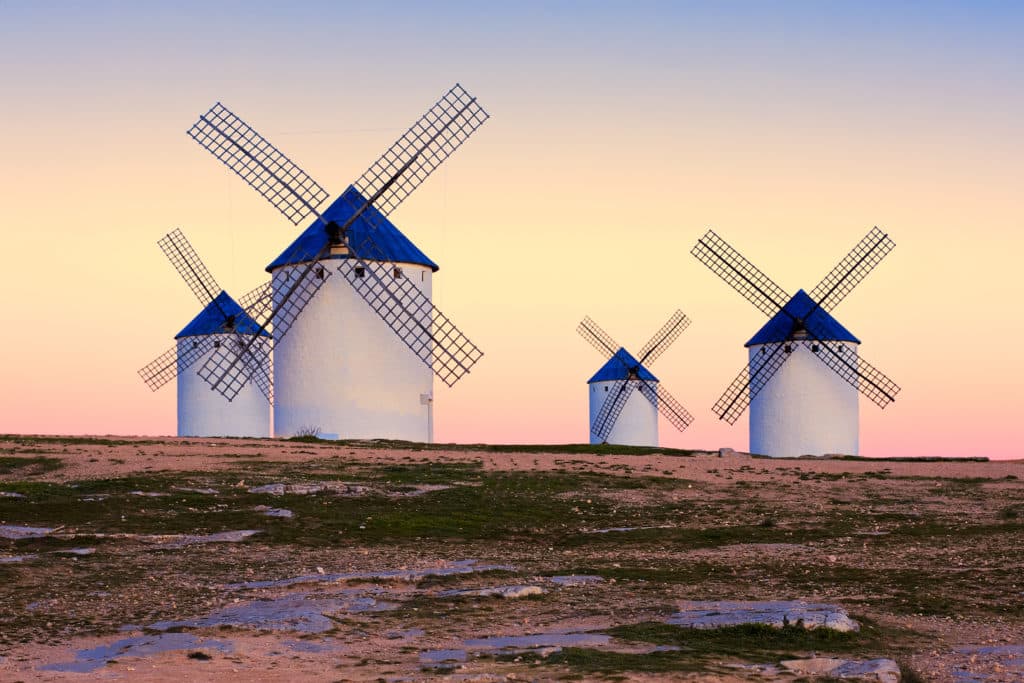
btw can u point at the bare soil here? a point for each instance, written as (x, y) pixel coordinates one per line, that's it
(927, 556)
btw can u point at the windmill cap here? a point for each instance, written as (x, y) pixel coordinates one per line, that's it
(618, 367)
(391, 245)
(211, 319)
(780, 327)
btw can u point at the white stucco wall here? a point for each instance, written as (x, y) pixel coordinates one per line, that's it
(637, 424)
(343, 370)
(806, 408)
(205, 412)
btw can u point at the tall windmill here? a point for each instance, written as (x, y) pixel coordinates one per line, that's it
(221, 326)
(342, 357)
(804, 368)
(625, 398)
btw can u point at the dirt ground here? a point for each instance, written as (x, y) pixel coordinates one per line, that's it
(228, 559)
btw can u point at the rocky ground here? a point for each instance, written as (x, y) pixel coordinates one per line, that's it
(185, 559)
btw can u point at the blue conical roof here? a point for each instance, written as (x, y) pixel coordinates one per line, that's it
(391, 244)
(618, 367)
(211, 319)
(780, 327)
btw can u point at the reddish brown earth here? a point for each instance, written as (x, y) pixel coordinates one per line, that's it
(929, 556)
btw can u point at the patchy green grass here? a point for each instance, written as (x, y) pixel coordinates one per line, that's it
(26, 439)
(28, 467)
(704, 649)
(699, 648)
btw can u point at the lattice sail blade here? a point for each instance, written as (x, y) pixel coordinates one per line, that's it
(227, 372)
(236, 360)
(749, 383)
(413, 317)
(597, 337)
(295, 289)
(166, 366)
(264, 167)
(186, 261)
(854, 267)
(856, 371)
(663, 338)
(424, 147)
(612, 407)
(740, 274)
(258, 302)
(673, 411)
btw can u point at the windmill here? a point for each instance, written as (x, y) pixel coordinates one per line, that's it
(804, 368)
(222, 325)
(342, 357)
(625, 398)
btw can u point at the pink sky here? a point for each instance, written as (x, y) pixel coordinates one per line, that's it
(620, 134)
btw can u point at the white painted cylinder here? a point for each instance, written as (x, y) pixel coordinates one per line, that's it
(205, 412)
(806, 408)
(344, 371)
(637, 424)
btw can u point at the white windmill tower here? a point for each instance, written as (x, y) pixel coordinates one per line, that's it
(345, 366)
(625, 398)
(804, 368)
(221, 324)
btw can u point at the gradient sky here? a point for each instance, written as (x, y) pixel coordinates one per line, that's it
(620, 133)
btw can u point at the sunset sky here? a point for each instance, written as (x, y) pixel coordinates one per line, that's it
(620, 133)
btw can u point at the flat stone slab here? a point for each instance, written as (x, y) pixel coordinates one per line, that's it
(537, 641)
(777, 613)
(881, 670)
(575, 579)
(221, 537)
(274, 512)
(496, 591)
(338, 487)
(15, 533)
(301, 613)
(447, 569)
(142, 646)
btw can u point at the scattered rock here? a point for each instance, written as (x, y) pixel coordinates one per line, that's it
(446, 569)
(538, 640)
(274, 512)
(497, 591)
(575, 579)
(298, 612)
(880, 670)
(222, 537)
(16, 533)
(76, 551)
(778, 613)
(142, 646)
(338, 487)
(441, 656)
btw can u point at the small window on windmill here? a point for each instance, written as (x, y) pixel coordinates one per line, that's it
(216, 344)
(788, 348)
(360, 271)
(763, 350)
(814, 348)
(195, 345)
(606, 389)
(397, 272)
(320, 274)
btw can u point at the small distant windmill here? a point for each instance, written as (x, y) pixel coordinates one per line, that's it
(804, 369)
(345, 367)
(222, 326)
(625, 397)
